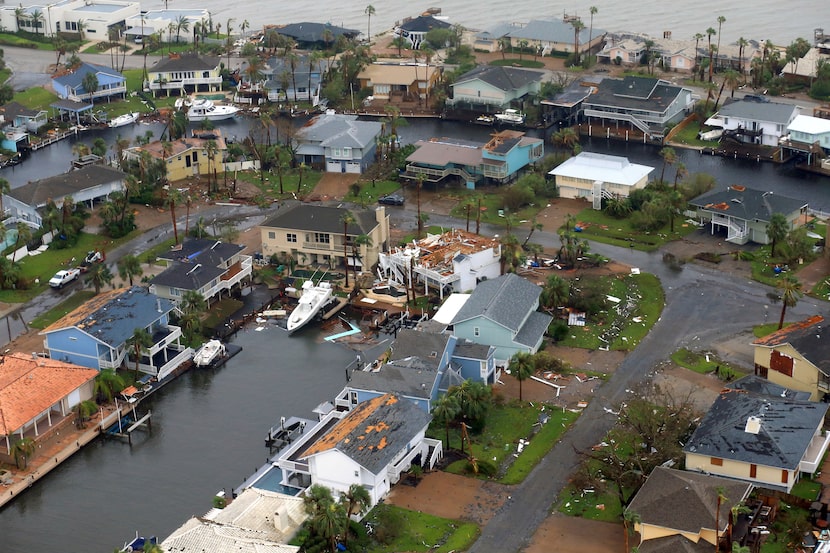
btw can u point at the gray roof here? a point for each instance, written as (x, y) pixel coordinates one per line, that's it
(410, 378)
(113, 317)
(503, 78)
(424, 24)
(634, 93)
(425, 345)
(313, 32)
(762, 386)
(787, 427)
(772, 112)
(686, 501)
(675, 544)
(76, 78)
(809, 337)
(470, 350)
(185, 62)
(15, 109)
(748, 204)
(533, 329)
(336, 130)
(196, 264)
(374, 432)
(553, 31)
(38, 193)
(318, 218)
(506, 300)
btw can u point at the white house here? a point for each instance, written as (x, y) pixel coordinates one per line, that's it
(808, 135)
(90, 18)
(755, 122)
(455, 260)
(158, 21)
(595, 176)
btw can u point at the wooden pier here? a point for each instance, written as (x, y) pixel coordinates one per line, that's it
(54, 138)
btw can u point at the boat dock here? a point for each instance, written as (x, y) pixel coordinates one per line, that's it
(126, 425)
(340, 303)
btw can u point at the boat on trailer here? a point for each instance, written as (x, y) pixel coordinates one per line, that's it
(313, 299)
(210, 352)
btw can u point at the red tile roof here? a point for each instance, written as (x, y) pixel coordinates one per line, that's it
(29, 386)
(785, 335)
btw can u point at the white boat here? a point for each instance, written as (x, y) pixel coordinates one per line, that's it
(203, 109)
(123, 120)
(312, 300)
(209, 353)
(512, 116)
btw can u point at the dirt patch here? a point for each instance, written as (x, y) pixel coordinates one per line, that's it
(332, 186)
(451, 496)
(577, 535)
(681, 383)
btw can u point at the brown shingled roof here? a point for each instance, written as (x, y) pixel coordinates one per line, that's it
(86, 309)
(352, 422)
(30, 385)
(784, 335)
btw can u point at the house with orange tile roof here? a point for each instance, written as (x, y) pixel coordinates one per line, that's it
(185, 157)
(95, 334)
(37, 395)
(371, 445)
(797, 357)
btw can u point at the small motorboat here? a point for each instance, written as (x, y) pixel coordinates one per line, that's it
(123, 120)
(311, 302)
(511, 116)
(209, 353)
(203, 109)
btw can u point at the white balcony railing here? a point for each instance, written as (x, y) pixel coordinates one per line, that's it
(815, 452)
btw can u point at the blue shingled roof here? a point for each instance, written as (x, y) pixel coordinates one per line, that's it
(75, 79)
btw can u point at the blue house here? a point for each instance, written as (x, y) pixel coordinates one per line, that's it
(297, 81)
(502, 313)
(421, 367)
(338, 143)
(71, 86)
(95, 334)
(17, 122)
(498, 161)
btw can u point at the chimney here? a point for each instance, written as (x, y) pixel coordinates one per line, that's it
(753, 425)
(281, 520)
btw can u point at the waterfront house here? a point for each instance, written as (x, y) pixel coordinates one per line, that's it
(453, 261)
(185, 74)
(805, 70)
(502, 313)
(37, 398)
(87, 185)
(17, 121)
(678, 510)
(88, 19)
(644, 104)
(797, 357)
(185, 157)
(593, 176)
(313, 36)
(95, 334)
(159, 21)
(371, 445)
(744, 213)
(413, 29)
(398, 81)
(499, 161)
(565, 108)
(491, 88)
(314, 234)
(754, 122)
(760, 439)
(297, 81)
(208, 267)
(256, 521)
(71, 86)
(808, 135)
(337, 143)
(548, 36)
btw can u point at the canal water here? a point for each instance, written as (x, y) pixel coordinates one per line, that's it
(208, 434)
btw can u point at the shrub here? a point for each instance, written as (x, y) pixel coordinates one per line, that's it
(516, 196)
(219, 502)
(558, 330)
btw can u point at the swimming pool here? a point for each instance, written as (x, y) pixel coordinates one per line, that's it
(271, 481)
(11, 238)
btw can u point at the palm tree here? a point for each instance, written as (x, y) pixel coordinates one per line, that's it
(669, 158)
(192, 302)
(721, 20)
(22, 450)
(369, 11)
(777, 230)
(578, 26)
(99, 275)
(358, 243)
(90, 84)
(790, 294)
(5, 188)
(521, 366)
(37, 19)
(329, 523)
(555, 293)
(680, 172)
(81, 25)
(593, 11)
(129, 266)
(347, 219)
(445, 411)
(139, 342)
(181, 25)
(107, 384)
(357, 500)
(174, 197)
(229, 30)
(697, 37)
(566, 138)
(630, 521)
(709, 32)
(419, 182)
(742, 44)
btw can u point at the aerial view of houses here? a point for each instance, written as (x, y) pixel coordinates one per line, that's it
(534, 276)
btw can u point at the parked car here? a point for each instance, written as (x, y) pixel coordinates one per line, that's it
(64, 277)
(391, 199)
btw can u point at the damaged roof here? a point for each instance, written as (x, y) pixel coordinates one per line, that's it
(686, 501)
(809, 337)
(374, 432)
(747, 203)
(410, 378)
(196, 263)
(759, 385)
(785, 430)
(113, 316)
(675, 544)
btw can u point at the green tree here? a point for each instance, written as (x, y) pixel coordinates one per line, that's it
(90, 84)
(139, 343)
(474, 400)
(181, 25)
(593, 11)
(777, 230)
(357, 500)
(5, 188)
(555, 293)
(669, 156)
(107, 384)
(369, 11)
(174, 197)
(721, 21)
(521, 367)
(446, 410)
(129, 266)
(23, 450)
(709, 32)
(630, 522)
(98, 276)
(24, 234)
(790, 294)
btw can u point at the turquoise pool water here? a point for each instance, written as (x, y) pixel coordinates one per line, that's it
(271, 481)
(11, 238)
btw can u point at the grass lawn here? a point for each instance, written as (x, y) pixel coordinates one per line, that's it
(66, 306)
(705, 363)
(822, 289)
(491, 205)
(596, 225)
(220, 311)
(807, 489)
(371, 191)
(505, 425)
(270, 187)
(688, 136)
(9, 39)
(591, 505)
(421, 532)
(519, 62)
(35, 98)
(765, 329)
(5, 74)
(646, 292)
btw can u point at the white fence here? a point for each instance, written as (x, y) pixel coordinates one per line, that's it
(241, 165)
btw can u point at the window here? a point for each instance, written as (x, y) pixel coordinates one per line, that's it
(322, 238)
(753, 471)
(272, 235)
(785, 476)
(291, 237)
(718, 462)
(356, 474)
(476, 331)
